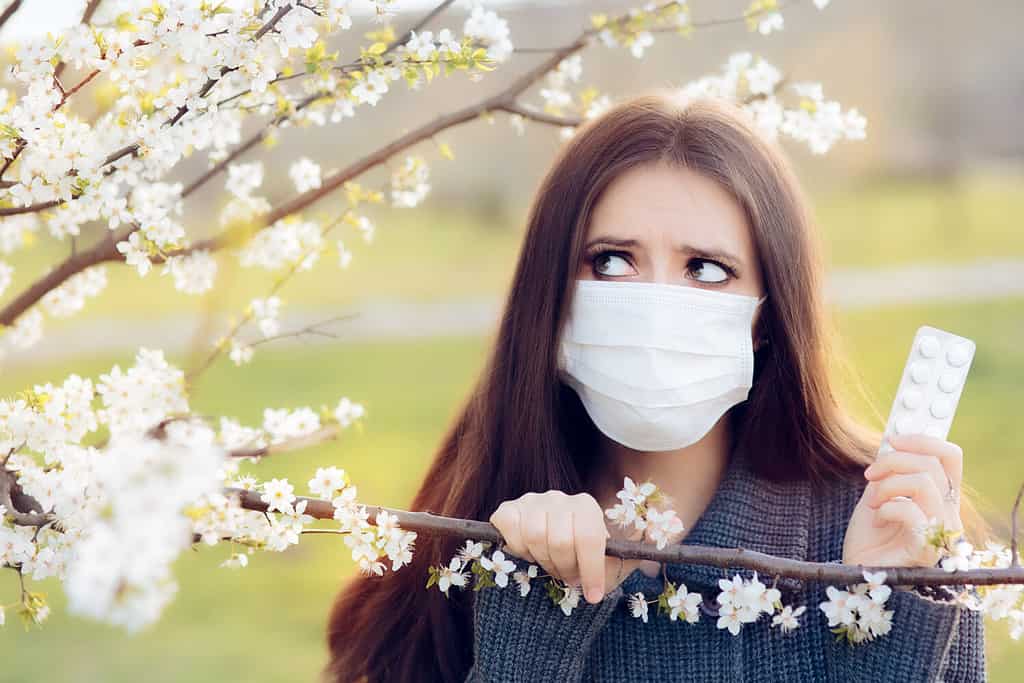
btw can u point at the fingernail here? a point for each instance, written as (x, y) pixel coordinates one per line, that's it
(592, 595)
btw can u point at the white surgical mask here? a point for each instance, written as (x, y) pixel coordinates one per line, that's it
(656, 365)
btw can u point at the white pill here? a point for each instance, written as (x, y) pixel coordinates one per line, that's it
(920, 373)
(959, 354)
(906, 425)
(941, 407)
(928, 346)
(949, 381)
(935, 430)
(886, 447)
(911, 398)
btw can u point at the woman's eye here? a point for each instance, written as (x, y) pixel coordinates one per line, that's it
(611, 264)
(708, 271)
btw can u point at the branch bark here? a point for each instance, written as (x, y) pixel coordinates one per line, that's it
(9, 12)
(768, 565)
(21, 508)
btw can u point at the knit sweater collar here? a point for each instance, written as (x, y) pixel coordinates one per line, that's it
(752, 513)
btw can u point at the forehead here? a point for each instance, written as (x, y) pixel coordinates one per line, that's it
(653, 201)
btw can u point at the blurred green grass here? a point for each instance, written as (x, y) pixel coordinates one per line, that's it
(266, 622)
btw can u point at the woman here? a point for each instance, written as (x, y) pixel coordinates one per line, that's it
(664, 219)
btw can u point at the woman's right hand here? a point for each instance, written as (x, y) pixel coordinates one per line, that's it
(566, 534)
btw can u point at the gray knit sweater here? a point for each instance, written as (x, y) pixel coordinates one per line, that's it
(530, 640)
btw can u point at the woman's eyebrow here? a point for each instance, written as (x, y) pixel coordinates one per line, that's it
(614, 241)
(717, 254)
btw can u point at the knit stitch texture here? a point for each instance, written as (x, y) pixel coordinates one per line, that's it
(528, 639)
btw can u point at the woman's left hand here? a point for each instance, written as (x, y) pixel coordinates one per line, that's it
(887, 530)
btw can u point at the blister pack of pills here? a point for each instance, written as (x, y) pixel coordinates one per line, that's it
(932, 382)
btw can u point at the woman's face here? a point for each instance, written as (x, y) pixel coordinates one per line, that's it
(671, 225)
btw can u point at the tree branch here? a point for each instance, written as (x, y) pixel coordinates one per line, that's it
(11, 491)
(769, 565)
(319, 436)
(106, 249)
(9, 12)
(1013, 528)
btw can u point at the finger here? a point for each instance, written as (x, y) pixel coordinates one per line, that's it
(506, 520)
(562, 544)
(534, 520)
(919, 487)
(591, 543)
(949, 454)
(913, 523)
(904, 512)
(900, 462)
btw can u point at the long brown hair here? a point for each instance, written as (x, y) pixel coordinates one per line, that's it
(522, 430)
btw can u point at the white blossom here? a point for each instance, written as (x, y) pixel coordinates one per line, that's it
(685, 603)
(523, 579)
(570, 599)
(487, 26)
(499, 565)
(452, 575)
(305, 174)
(787, 618)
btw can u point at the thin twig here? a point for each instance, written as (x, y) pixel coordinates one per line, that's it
(319, 436)
(8, 487)
(9, 11)
(1013, 528)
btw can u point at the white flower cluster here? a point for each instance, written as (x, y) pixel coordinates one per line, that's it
(997, 601)
(556, 97)
(370, 543)
(422, 45)
(134, 528)
(184, 79)
(305, 174)
(288, 241)
(752, 83)
(193, 273)
(636, 510)
(637, 34)
(137, 399)
(409, 182)
(70, 297)
(266, 312)
(18, 231)
(242, 181)
(859, 614)
(60, 302)
(487, 26)
(742, 602)
(117, 515)
(821, 122)
(118, 508)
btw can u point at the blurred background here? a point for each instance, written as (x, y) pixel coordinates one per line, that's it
(920, 221)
